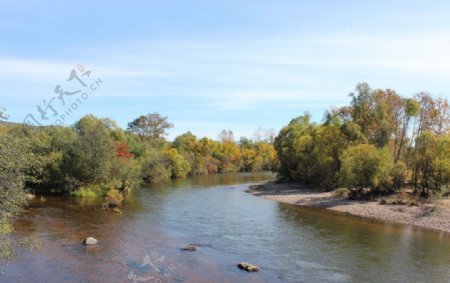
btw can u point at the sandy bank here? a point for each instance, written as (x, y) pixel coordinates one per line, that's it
(432, 216)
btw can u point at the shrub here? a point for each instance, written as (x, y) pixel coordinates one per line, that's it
(113, 198)
(365, 166)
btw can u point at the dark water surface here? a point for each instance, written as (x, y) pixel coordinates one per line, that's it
(290, 244)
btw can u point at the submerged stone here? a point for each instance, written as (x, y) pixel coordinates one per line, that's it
(248, 267)
(190, 248)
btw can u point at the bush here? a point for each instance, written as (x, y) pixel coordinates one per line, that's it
(92, 191)
(365, 166)
(113, 198)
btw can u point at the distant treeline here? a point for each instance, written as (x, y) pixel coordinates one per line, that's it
(97, 153)
(381, 141)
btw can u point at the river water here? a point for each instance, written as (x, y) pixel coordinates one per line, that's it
(289, 243)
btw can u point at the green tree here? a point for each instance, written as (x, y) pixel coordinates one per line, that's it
(151, 126)
(127, 171)
(293, 145)
(179, 166)
(365, 166)
(155, 166)
(186, 145)
(94, 152)
(16, 167)
(431, 163)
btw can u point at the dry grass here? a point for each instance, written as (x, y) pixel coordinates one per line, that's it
(404, 197)
(443, 203)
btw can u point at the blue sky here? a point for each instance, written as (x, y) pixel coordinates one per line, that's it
(213, 65)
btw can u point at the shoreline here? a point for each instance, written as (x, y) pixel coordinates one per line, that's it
(434, 216)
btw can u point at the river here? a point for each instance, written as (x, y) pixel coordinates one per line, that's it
(289, 243)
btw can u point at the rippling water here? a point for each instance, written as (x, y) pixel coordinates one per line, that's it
(290, 244)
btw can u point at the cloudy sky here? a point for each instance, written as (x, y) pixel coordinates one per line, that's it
(213, 65)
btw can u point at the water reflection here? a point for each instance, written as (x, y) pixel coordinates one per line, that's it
(369, 250)
(291, 244)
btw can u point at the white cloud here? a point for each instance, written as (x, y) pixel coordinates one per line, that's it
(243, 74)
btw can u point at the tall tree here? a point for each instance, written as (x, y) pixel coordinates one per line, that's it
(151, 126)
(96, 150)
(411, 109)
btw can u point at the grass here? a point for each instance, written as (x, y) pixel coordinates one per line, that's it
(93, 191)
(84, 193)
(97, 190)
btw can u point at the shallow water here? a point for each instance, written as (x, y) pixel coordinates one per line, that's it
(289, 243)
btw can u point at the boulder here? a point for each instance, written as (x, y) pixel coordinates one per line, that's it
(90, 241)
(248, 267)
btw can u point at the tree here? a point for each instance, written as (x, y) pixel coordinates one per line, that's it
(441, 163)
(431, 163)
(151, 126)
(379, 140)
(293, 145)
(95, 151)
(155, 165)
(362, 107)
(230, 157)
(178, 165)
(267, 156)
(209, 152)
(17, 162)
(365, 166)
(226, 136)
(324, 159)
(245, 142)
(258, 135)
(127, 171)
(411, 109)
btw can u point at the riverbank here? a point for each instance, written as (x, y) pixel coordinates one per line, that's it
(433, 215)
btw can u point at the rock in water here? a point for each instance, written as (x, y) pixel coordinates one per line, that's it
(190, 248)
(29, 196)
(248, 267)
(90, 241)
